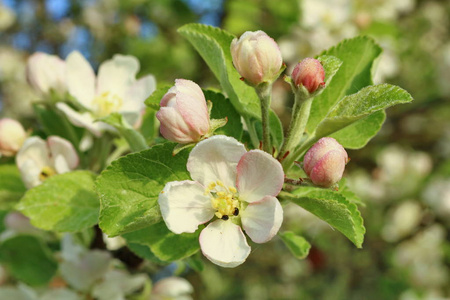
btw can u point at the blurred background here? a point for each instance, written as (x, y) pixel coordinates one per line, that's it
(402, 175)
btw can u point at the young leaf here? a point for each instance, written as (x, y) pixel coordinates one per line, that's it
(11, 186)
(129, 187)
(298, 246)
(28, 259)
(357, 56)
(222, 108)
(153, 100)
(65, 202)
(358, 134)
(165, 244)
(213, 44)
(330, 65)
(360, 105)
(334, 209)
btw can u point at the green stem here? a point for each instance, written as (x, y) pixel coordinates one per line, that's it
(297, 154)
(294, 134)
(264, 92)
(252, 132)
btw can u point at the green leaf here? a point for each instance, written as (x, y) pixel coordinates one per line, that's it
(330, 65)
(129, 187)
(334, 209)
(28, 259)
(298, 246)
(357, 56)
(360, 105)
(11, 186)
(276, 130)
(213, 44)
(348, 193)
(155, 98)
(165, 244)
(144, 252)
(65, 202)
(358, 134)
(222, 108)
(134, 138)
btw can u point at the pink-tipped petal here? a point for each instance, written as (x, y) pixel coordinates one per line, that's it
(329, 169)
(261, 220)
(258, 175)
(214, 159)
(318, 150)
(184, 206)
(224, 243)
(60, 147)
(174, 128)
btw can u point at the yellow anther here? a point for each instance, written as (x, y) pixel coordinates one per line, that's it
(232, 189)
(220, 183)
(46, 172)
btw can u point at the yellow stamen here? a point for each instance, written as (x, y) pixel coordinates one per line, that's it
(223, 199)
(105, 104)
(46, 172)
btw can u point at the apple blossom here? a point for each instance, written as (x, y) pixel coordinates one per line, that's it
(12, 136)
(310, 74)
(175, 288)
(46, 72)
(233, 186)
(256, 57)
(184, 114)
(114, 90)
(325, 162)
(38, 159)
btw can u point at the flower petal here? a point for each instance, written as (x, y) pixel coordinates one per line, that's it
(261, 220)
(184, 206)
(173, 126)
(60, 147)
(172, 287)
(258, 175)
(137, 93)
(31, 159)
(224, 243)
(215, 159)
(117, 74)
(83, 120)
(80, 78)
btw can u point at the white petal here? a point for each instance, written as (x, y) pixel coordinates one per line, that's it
(224, 243)
(261, 220)
(62, 149)
(32, 157)
(172, 287)
(258, 175)
(117, 74)
(215, 159)
(82, 120)
(137, 93)
(184, 206)
(80, 78)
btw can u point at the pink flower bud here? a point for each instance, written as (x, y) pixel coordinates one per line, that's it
(183, 114)
(309, 73)
(325, 162)
(256, 57)
(12, 136)
(46, 72)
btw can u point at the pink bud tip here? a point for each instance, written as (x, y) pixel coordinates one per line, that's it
(325, 162)
(309, 73)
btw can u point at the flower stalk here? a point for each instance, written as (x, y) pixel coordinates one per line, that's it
(264, 92)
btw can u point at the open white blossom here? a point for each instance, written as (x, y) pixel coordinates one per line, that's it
(233, 186)
(38, 159)
(115, 89)
(175, 288)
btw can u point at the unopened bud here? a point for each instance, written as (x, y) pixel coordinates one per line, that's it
(184, 114)
(325, 162)
(12, 136)
(256, 57)
(310, 74)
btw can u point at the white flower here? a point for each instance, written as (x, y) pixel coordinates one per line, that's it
(12, 136)
(175, 288)
(46, 72)
(114, 90)
(233, 185)
(38, 159)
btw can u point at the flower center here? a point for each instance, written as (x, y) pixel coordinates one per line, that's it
(46, 172)
(106, 104)
(223, 199)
